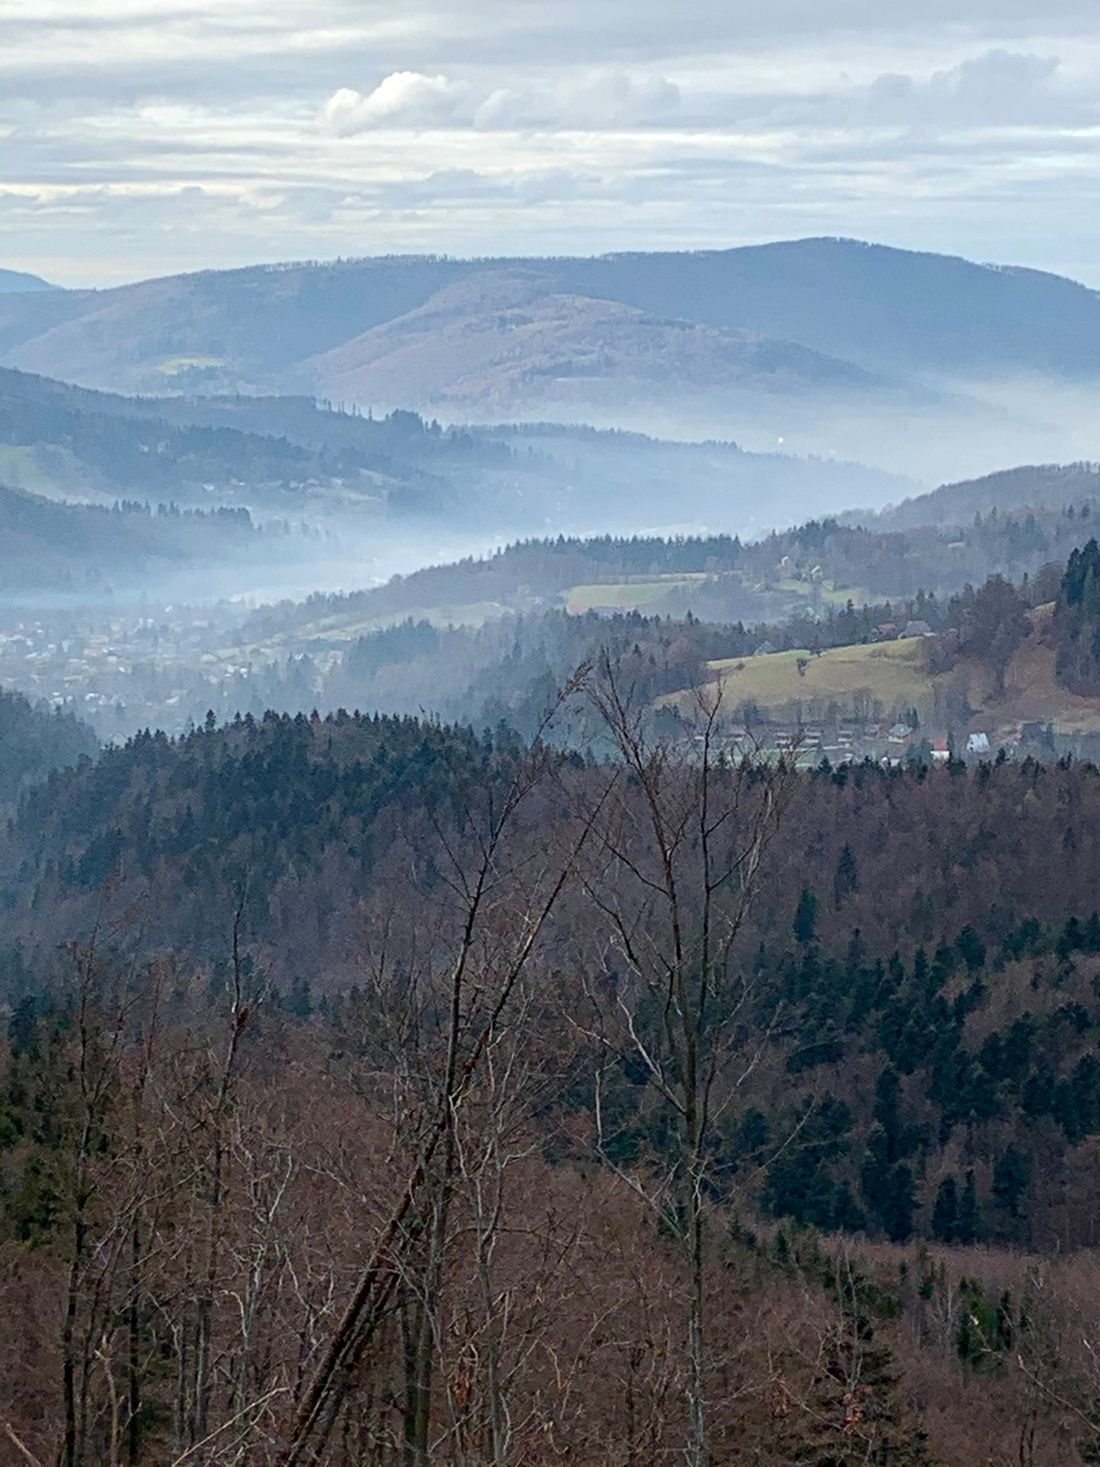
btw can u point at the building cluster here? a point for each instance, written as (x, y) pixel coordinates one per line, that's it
(118, 671)
(852, 741)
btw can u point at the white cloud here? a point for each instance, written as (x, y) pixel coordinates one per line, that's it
(402, 99)
(599, 99)
(995, 86)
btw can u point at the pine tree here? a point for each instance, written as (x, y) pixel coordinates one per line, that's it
(805, 917)
(969, 1223)
(846, 878)
(945, 1214)
(1011, 1175)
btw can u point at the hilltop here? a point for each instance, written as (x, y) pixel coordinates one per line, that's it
(1030, 487)
(14, 281)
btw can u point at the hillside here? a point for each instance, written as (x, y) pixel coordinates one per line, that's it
(834, 346)
(810, 568)
(34, 741)
(68, 441)
(905, 1090)
(506, 342)
(12, 281)
(295, 455)
(83, 549)
(883, 681)
(1032, 487)
(884, 309)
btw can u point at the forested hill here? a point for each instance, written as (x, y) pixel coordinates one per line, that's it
(14, 281)
(64, 439)
(286, 454)
(820, 563)
(80, 548)
(1012, 492)
(881, 307)
(936, 984)
(34, 741)
(900, 1042)
(271, 804)
(264, 797)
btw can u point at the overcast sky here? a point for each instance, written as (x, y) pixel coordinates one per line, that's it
(142, 137)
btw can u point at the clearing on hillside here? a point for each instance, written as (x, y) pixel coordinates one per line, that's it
(893, 674)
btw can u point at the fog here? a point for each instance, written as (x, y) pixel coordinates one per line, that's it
(960, 430)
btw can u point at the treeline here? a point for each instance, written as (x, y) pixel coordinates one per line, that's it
(922, 935)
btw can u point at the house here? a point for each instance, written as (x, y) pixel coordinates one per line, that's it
(916, 628)
(899, 732)
(940, 752)
(978, 743)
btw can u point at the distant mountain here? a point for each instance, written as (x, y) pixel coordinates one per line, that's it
(882, 309)
(1033, 487)
(17, 280)
(830, 345)
(507, 342)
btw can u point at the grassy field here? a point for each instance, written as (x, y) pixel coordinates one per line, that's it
(894, 674)
(830, 594)
(53, 471)
(336, 630)
(627, 595)
(173, 366)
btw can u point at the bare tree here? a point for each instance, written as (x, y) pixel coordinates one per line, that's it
(678, 859)
(501, 908)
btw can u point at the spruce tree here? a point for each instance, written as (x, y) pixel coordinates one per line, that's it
(945, 1214)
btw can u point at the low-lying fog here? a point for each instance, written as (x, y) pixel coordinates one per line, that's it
(936, 434)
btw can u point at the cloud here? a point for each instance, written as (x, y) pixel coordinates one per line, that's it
(996, 86)
(600, 99)
(546, 124)
(402, 99)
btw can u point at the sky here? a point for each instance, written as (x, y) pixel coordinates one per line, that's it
(146, 137)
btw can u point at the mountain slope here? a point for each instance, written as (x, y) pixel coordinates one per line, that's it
(1039, 487)
(884, 309)
(290, 455)
(887, 309)
(46, 544)
(507, 342)
(19, 280)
